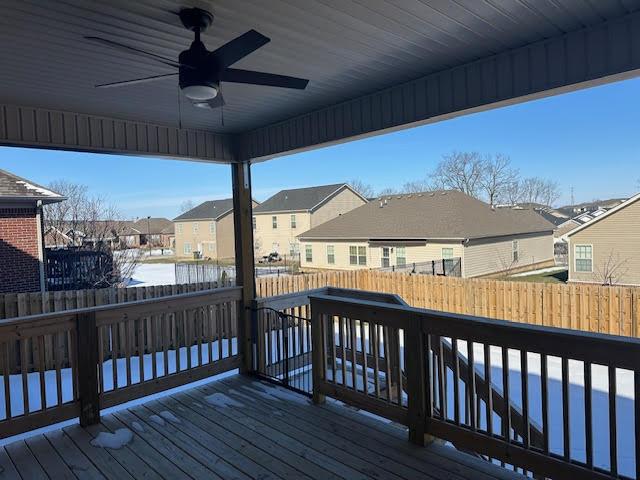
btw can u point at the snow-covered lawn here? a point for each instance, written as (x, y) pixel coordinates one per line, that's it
(150, 274)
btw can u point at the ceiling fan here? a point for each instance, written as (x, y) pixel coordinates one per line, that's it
(200, 71)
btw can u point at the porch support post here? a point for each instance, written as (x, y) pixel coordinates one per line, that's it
(245, 266)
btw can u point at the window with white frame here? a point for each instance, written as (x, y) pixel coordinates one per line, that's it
(308, 253)
(401, 256)
(386, 255)
(362, 255)
(515, 251)
(274, 222)
(179, 227)
(195, 227)
(331, 255)
(584, 258)
(293, 221)
(447, 253)
(212, 228)
(186, 248)
(353, 255)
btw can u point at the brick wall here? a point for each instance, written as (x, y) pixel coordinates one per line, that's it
(19, 264)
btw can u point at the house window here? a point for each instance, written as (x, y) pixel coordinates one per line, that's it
(362, 255)
(385, 257)
(179, 227)
(253, 220)
(353, 255)
(187, 248)
(212, 227)
(308, 253)
(447, 253)
(274, 222)
(195, 227)
(331, 256)
(584, 258)
(293, 221)
(401, 256)
(514, 251)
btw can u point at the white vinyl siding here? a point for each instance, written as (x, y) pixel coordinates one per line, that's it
(331, 255)
(584, 258)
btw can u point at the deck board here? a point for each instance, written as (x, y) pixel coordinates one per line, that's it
(239, 429)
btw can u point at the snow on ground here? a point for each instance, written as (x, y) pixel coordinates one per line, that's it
(150, 274)
(539, 272)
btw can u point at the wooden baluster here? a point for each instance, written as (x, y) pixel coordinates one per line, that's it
(588, 418)
(456, 380)
(140, 345)
(6, 372)
(613, 422)
(506, 408)
(373, 327)
(442, 379)
(318, 354)
(363, 347)
(114, 353)
(127, 324)
(41, 369)
(58, 356)
(87, 370)
(387, 360)
(565, 409)
(343, 358)
(24, 349)
(332, 321)
(471, 386)
(524, 379)
(544, 385)
(354, 361)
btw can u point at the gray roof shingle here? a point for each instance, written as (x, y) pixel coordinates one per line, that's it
(442, 214)
(297, 199)
(209, 210)
(13, 187)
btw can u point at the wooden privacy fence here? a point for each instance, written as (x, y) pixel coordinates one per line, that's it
(591, 308)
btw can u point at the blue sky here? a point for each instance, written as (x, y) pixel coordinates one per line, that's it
(587, 139)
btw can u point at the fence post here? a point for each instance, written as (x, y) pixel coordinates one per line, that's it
(87, 348)
(317, 353)
(414, 358)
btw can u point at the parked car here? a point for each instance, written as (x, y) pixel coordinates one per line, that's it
(271, 258)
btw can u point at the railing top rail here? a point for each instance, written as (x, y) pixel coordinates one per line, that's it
(229, 293)
(289, 300)
(618, 351)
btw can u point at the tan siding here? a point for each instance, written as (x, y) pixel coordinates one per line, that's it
(423, 253)
(616, 237)
(483, 257)
(345, 201)
(265, 236)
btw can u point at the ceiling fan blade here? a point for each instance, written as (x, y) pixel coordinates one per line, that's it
(136, 80)
(216, 102)
(238, 48)
(127, 48)
(260, 78)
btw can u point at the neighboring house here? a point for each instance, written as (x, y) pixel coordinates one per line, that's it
(599, 206)
(21, 233)
(280, 219)
(206, 231)
(155, 232)
(399, 230)
(87, 233)
(606, 250)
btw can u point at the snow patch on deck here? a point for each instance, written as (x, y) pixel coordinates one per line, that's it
(167, 415)
(137, 427)
(157, 420)
(221, 400)
(115, 441)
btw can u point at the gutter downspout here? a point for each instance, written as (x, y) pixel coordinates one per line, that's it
(40, 229)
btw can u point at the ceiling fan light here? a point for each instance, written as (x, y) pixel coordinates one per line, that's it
(200, 93)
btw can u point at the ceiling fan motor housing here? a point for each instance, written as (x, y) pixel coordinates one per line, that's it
(197, 69)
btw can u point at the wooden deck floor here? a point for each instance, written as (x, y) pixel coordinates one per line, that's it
(238, 428)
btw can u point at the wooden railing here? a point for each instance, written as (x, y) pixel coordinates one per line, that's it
(103, 356)
(566, 400)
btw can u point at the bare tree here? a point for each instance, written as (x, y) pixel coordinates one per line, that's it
(459, 171)
(186, 206)
(362, 188)
(416, 186)
(89, 222)
(612, 270)
(497, 178)
(539, 190)
(388, 191)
